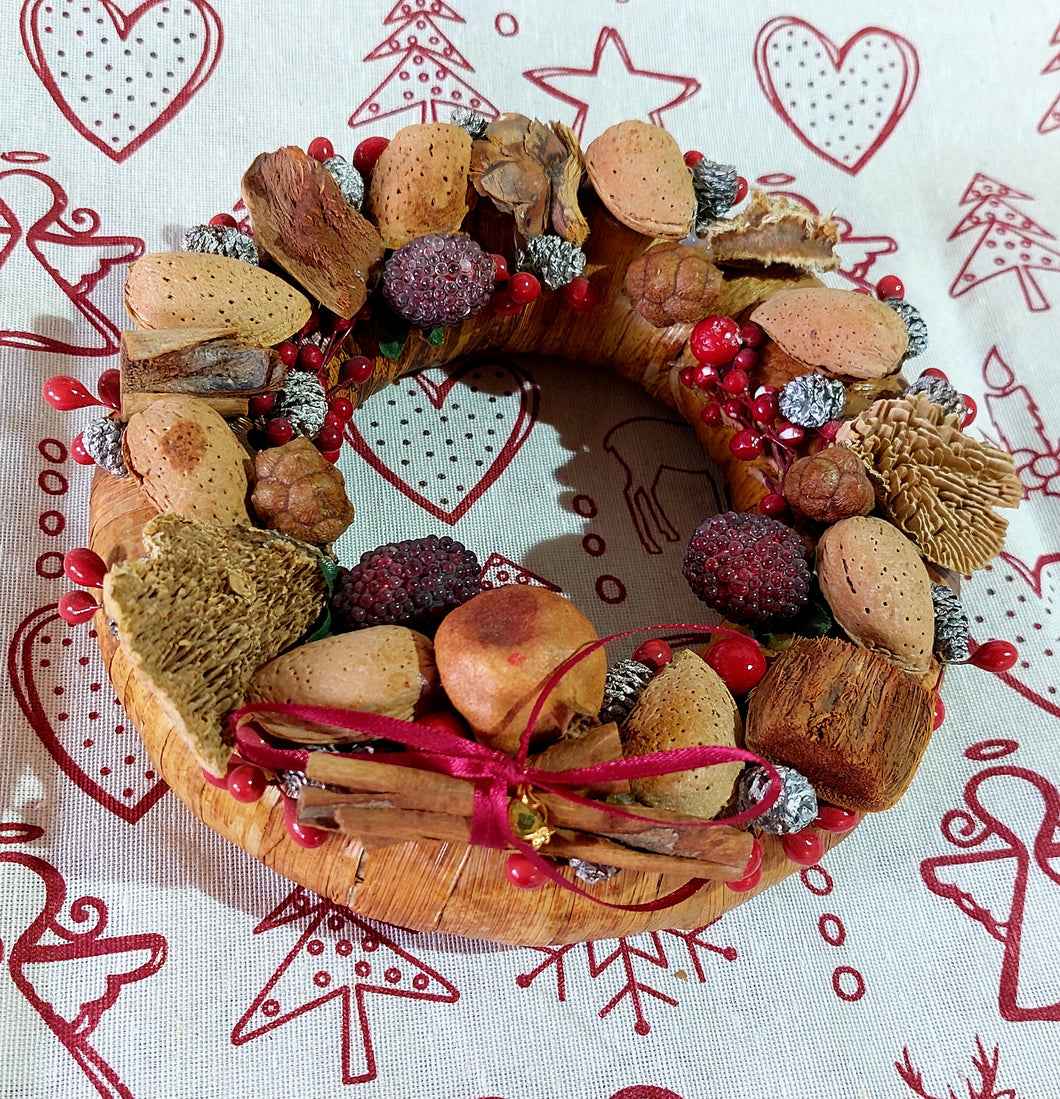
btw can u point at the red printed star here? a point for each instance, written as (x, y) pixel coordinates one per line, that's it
(613, 88)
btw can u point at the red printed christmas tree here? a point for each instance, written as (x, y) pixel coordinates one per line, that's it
(1009, 241)
(1051, 119)
(422, 81)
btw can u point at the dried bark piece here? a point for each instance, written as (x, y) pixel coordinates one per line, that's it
(851, 722)
(686, 705)
(773, 230)
(838, 331)
(306, 225)
(298, 492)
(419, 183)
(197, 290)
(673, 283)
(210, 604)
(878, 590)
(640, 175)
(935, 483)
(188, 461)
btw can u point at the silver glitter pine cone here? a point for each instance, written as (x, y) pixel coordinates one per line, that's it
(302, 402)
(940, 392)
(914, 323)
(102, 443)
(555, 260)
(625, 682)
(715, 189)
(220, 240)
(794, 809)
(951, 626)
(812, 400)
(350, 181)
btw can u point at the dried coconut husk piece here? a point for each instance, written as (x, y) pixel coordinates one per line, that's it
(851, 722)
(306, 225)
(640, 174)
(419, 183)
(770, 230)
(934, 482)
(208, 606)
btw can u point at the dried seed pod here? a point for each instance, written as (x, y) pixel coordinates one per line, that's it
(673, 283)
(297, 491)
(829, 486)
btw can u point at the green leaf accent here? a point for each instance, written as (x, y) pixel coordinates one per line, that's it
(330, 570)
(436, 337)
(390, 330)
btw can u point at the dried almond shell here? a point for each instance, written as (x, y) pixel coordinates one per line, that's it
(199, 290)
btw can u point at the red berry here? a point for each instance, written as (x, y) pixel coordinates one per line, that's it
(78, 452)
(500, 267)
(804, 848)
(774, 505)
(752, 335)
(765, 408)
(829, 431)
(503, 305)
(745, 885)
(715, 340)
(225, 221)
(368, 152)
(522, 873)
(331, 456)
(246, 783)
(971, 410)
(356, 370)
(303, 834)
(341, 324)
(739, 661)
(279, 431)
(745, 359)
(830, 818)
(754, 861)
(342, 408)
(746, 445)
(862, 290)
(85, 567)
(704, 376)
(934, 372)
(334, 421)
(790, 433)
(693, 157)
(733, 408)
(711, 414)
(580, 295)
(741, 189)
(310, 358)
(735, 382)
(76, 607)
(654, 652)
(890, 286)
(310, 325)
(995, 656)
(261, 404)
(445, 721)
(109, 388)
(687, 376)
(321, 149)
(66, 393)
(939, 715)
(288, 353)
(329, 439)
(524, 287)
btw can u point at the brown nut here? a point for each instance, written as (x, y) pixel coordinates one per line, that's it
(673, 283)
(297, 491)
(829, 486)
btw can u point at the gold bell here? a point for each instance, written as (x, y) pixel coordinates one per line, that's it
(529, 819)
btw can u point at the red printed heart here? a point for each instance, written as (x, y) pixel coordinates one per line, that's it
(843, 102)
(119, 78)
(441, 440)
(59, 681)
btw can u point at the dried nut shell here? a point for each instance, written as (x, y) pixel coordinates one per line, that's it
(772, 230)
(188, 461)
(685, 705)
(640, 175)
(199, 290)
(419, 183)
(878, 590)
(496, 652)
(385, 670)
(298, 492)
(829, 486)
(837, 330)
(673, 283)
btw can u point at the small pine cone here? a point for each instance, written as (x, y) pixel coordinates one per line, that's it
(623, 686)
(592, 873)
(102, 442)
(940, 392)
(715, 187)
(350, 181)
(220, 240)
(303, 402)
(554, 260)
(474, 123)
(298, 492)
(811, 400)
(914, 322)
(828, 486)
(951, 626)
(673, 283)
(794, 809)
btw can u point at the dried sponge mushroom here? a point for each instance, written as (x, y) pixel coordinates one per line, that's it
(640, 174)
(187, 460)
(878, 590)
(297, 491)
(851, 722)
(673, 283)
(935, 483)
(686, 705)
(207, 607)
(496, 652)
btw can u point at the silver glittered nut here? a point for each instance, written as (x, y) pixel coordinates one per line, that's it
(350, 181)
(592, 873)
(952, 628)
(220, 240)
(812, 400)
(555, 260)
(794, 809)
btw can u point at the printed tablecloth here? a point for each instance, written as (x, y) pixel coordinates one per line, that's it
(144, 957)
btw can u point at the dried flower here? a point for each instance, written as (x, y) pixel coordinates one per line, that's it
(794, 809)
(914, 323)
(102, 443)
(951, 626)
(623, 686)
(715, 188)
(811, 400)
(939, 391)
(350, 181)
(555, 260)
(220, 240)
